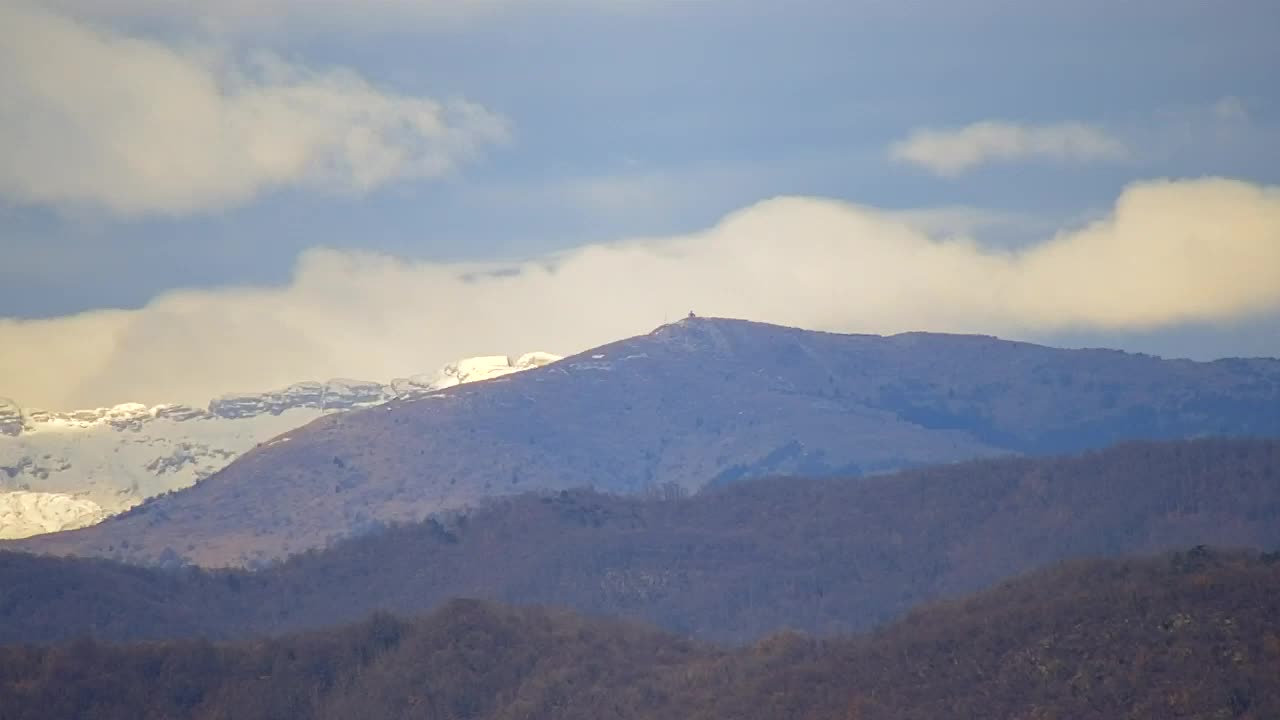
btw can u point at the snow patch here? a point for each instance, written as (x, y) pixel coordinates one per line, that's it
(471, 370)
(23, 514)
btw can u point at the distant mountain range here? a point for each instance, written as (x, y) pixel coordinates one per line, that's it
(61, 470)
(1191, 634)
(695, 403)
(823, 555)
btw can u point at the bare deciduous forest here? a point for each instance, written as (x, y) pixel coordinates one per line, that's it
(1188, 634)
(824, 556)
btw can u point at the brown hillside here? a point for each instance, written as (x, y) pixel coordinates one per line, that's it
(825, 556)
(1195, 635)
(1191, 635)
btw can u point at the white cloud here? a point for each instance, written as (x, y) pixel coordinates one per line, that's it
(1167, 253)
(953, 151)
(96, 118)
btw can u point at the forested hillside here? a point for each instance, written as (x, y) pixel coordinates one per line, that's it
(826, 556)
(1193, 634)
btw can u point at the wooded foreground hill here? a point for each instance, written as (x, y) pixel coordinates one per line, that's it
(703, 401)
(1194, 634)
(825, 556)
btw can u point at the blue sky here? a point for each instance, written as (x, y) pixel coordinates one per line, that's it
(172, 156)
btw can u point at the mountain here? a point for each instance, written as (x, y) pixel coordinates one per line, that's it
(702, 401)
(730, 564)
(63, 470)
(1192, 634)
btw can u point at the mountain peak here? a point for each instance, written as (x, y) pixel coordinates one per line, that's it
(698, 402)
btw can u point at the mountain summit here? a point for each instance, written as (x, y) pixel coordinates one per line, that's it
(697, 402)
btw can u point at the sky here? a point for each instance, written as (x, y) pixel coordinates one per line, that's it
(216, 196)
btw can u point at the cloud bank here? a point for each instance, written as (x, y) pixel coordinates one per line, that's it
(96, 118)
(1167, 253)
(951, 152)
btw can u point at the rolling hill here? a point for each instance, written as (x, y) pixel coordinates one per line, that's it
(1192, 634)
(696, 403)
(826, 556)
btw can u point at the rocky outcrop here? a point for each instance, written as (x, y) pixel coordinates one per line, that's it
(303, 394)
(186, 454)
(338, 394)
(179, 413)
(128, 416)
(240, 405)
(11, 421)
(344, 394)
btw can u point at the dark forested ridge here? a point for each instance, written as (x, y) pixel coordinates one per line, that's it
(702, 401)
(1193, 634)
(826, 556)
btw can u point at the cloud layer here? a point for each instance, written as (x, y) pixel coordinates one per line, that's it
(954, 151)
(96, 118)
(1169, 252)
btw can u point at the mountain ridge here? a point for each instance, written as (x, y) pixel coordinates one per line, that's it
(701, 401)
(333, 394)
(826, 556)
(1186, 634)
(89, 464)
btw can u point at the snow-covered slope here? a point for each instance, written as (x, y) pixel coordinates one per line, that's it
(23, 514)
(60, 470)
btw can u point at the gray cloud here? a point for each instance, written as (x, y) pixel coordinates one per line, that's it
(1167, 253)
(96, 118)
(951, 152)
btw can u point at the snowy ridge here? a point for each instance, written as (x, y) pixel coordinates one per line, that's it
(471, 370)
(60, 470)
(23, 514)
